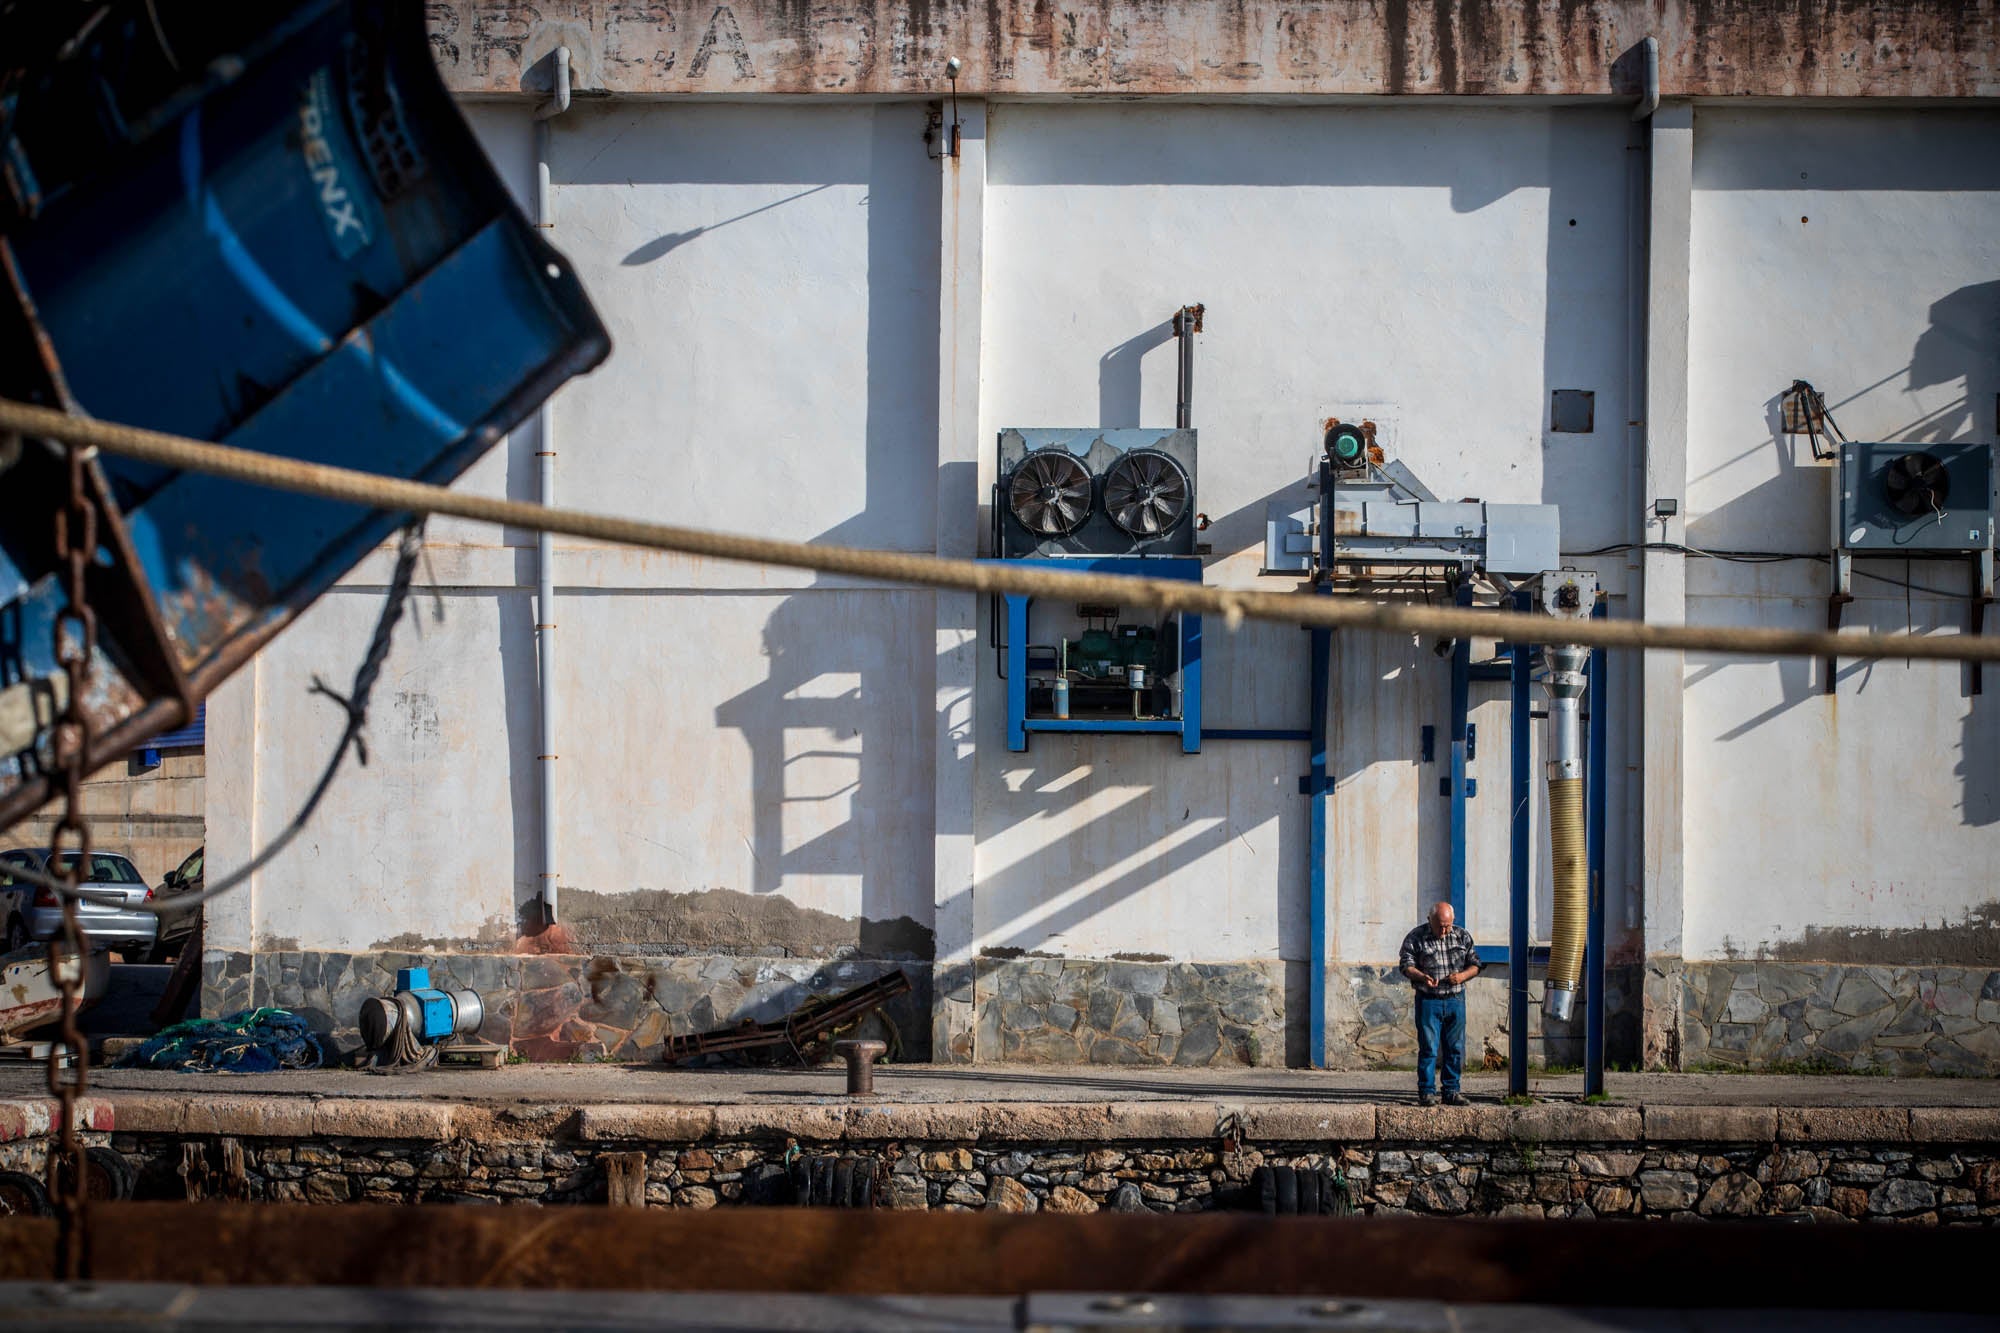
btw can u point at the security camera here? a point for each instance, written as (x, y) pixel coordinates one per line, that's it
(952, 67)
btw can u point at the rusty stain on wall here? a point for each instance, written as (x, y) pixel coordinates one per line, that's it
(726, 921)
(1975, 942)
(1275, 48)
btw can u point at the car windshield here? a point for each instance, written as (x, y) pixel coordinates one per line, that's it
(100, 870)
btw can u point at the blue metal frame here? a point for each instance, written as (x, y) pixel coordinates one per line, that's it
(1319, 793)
(1187, 726)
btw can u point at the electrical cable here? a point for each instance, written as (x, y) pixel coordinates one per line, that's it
(1759, 558)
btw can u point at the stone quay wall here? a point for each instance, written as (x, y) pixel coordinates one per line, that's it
(1556, 1160)
(1924, 1184)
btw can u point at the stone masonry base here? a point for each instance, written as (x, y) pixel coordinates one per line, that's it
(1751, 1015)
(1903, 1020)
(568, 1006)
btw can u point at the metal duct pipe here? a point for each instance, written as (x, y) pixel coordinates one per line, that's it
(1571, 868)
(1187, 323)
(1649, 96)
(545, 550)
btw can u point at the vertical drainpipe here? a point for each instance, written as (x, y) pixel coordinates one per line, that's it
(545, 555)
(1638, 159)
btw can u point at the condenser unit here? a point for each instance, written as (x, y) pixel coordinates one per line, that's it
(1094, 493)
(1913, 501)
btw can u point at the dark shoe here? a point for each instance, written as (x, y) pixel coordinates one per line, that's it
(1425, 1099)
(1455, 1099)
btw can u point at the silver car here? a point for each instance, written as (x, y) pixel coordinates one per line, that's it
(108, 924)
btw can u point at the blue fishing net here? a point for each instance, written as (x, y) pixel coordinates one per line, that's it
(256, 1041)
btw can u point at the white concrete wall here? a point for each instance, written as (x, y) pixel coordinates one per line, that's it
(1420, 263)
(1859, 250)
(771, 279)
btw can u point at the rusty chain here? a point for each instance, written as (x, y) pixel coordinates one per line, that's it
(69, 846)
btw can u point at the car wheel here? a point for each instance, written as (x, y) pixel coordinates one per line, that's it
(17, 934)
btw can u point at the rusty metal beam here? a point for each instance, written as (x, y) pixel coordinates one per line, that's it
(972, 1254)
(1209, 48)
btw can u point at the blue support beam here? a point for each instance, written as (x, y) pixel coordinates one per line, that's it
(1520, 838)
(1190, 719)
(1461, 711)
(1319, 796)
(1017, 672)
(1595, 782)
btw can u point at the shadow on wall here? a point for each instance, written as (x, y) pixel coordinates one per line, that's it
(661, 246)
(519, 673)
(1118, 377)
(1962, 344)
(859, 793)
(847, 807)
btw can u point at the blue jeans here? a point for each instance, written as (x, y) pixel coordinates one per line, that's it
(1440, 1030)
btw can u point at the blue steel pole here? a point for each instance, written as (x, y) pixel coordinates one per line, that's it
(1596, 741)
(1461, 710)
(1519, 839)
(1318, 794)
(1017, 672)
(1190, 683)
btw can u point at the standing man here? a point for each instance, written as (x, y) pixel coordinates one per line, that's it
(1439, 959)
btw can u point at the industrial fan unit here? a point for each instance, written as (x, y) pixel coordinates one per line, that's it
(1095, 493)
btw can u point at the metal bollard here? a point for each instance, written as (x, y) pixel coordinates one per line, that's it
(860, 1057)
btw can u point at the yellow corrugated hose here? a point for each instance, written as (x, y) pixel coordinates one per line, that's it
(1571, 871)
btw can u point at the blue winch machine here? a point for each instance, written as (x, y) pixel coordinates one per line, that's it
(409, 1026)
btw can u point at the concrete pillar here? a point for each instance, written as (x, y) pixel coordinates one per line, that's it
(961, 256)
(1664, 586)
(229, 923)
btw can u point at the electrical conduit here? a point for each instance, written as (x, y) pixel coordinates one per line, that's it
(545, 554)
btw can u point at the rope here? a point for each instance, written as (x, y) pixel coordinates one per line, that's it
(1233, 605)
(406, 1053)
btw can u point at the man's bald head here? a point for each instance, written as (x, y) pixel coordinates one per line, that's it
(1442, 917)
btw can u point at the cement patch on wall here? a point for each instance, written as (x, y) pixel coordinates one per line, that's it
(728, 922)
(1975, 942)
(1906, 1020)
(568, 1006)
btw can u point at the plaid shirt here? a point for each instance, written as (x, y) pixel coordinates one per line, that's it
(1438, 956)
